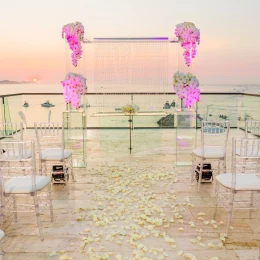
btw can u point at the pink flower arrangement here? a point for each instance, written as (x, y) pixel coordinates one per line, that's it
(187, 88)
(74, 85)
(189, 35)
(74, 34)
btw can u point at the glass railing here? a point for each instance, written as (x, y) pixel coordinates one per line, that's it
(234, 107)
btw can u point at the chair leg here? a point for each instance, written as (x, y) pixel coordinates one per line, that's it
(218, 167)
(65, 172)
(251, 204)
(230, 213)
(40, 166)
(2, 248)
(23, 169)
(225, 165)
(216, 200)
(15, 209)
(200, 174)
(45, 167)
(50, 202)
(244, 167)
(258, 170)
(193, 167)
(71, 169)
(2, 210)
(37, 211)
(8, 165)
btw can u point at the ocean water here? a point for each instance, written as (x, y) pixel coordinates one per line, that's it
(211, 106)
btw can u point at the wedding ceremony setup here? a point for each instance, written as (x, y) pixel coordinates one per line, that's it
(140, 150)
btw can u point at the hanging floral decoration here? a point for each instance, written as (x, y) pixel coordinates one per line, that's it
(189, 35)
(73, 85)
(187, 88)
(74, 34)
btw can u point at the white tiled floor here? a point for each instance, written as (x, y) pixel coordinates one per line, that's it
(125, 204)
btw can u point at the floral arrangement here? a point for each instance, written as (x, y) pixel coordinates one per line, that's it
(130, 109)
(74, 34)
(187, 88)
(189, 35)
(74, 85)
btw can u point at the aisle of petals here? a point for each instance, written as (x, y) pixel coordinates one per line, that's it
(140, 214)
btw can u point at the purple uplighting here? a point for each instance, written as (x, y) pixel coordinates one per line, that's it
(134, 39)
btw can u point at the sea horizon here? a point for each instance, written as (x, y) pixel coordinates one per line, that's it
(11, 89)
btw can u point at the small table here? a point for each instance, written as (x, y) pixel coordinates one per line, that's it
(130, 119)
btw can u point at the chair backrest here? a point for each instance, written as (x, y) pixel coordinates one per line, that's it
(17, 159)
(12, 130)
(245, 157)
(252, 128)
(49, 135)
(20, 151)
(17, 155)
(214, 133)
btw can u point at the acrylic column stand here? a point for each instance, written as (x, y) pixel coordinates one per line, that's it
(185, 120)
(75, 120)
(75, 136)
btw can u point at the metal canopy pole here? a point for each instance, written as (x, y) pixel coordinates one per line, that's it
(130, 120)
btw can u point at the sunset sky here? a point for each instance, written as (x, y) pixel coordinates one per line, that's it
(31, 45)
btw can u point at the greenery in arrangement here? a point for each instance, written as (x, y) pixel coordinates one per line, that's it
(130, 109)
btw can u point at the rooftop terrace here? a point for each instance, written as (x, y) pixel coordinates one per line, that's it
(124, 205)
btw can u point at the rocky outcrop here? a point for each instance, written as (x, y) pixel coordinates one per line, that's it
(166, 121)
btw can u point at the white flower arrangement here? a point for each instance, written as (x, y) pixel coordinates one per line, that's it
(187, 88)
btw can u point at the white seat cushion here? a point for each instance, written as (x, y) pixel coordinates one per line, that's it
(23, 184)
(210, 152)
(54, 154)
(2, 234)
(15, 155)
(245, 182)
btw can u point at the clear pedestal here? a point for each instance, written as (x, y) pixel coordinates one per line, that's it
(185, 122)
(140, 134)
(75, 136)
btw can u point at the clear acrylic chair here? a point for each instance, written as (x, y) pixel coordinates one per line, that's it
(214, 136)
(13, 130)
(20, 183)
(252, 128)
(50, 140)
(241, 187)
